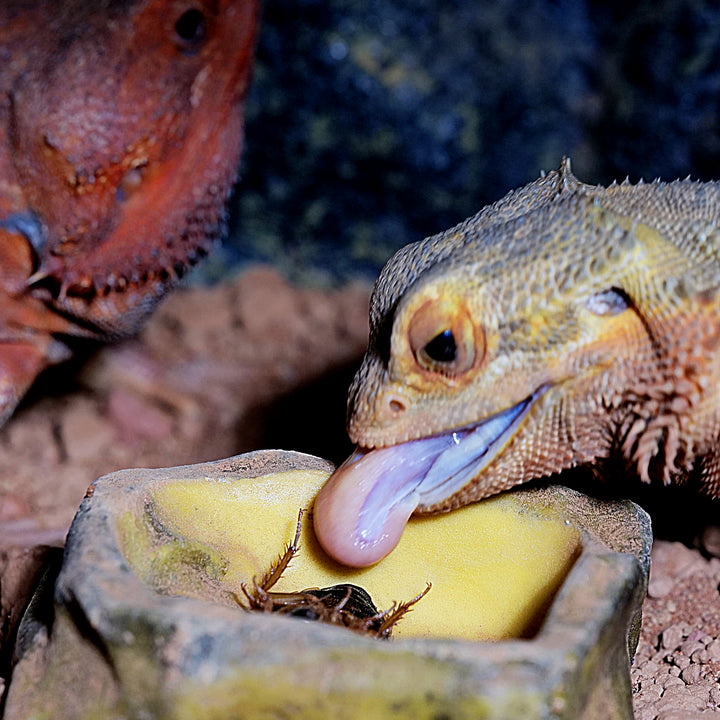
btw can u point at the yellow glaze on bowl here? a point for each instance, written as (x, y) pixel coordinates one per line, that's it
(494, 566)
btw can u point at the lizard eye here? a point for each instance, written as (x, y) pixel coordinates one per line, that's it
(191, 30)
(442, 348)
(443, 339)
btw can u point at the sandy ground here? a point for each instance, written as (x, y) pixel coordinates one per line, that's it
(216, 372)
(258, 363)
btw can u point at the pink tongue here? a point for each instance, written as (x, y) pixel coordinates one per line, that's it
(363, 508)
(361, 511)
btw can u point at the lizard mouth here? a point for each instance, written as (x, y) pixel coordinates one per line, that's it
(361, 511)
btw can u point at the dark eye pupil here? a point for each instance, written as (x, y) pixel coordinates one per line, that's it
(442, 347)
(191, 26)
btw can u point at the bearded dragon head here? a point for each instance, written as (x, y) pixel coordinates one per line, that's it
(125, 135)
(532, 338)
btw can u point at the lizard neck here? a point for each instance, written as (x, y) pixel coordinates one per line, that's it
(669, 415)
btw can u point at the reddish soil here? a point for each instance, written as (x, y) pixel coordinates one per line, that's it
(258, 363)
(216, 372)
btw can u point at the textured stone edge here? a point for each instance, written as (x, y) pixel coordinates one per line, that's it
(264, 659)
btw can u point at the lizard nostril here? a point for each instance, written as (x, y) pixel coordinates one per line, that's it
(396, 406)
(130, 182)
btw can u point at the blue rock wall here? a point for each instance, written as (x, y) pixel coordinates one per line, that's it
(373, 124)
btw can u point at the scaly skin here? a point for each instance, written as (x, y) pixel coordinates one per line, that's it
(120, 137)
(595, 307)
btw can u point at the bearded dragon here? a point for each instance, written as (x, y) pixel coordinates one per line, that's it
(120, 137)
(564, 325)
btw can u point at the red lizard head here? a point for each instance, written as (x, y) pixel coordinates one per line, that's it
(125, 133)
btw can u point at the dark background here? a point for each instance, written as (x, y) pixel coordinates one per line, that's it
(373, 124)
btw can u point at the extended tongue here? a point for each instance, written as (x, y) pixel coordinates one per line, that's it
(361, 511)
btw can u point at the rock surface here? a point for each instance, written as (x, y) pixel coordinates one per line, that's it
(114, 645)
(677, 665)
(371, 125)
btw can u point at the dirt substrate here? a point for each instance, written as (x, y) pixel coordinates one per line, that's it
(257, 363)
(677, 664)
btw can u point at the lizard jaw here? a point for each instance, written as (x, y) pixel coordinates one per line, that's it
(361, 511)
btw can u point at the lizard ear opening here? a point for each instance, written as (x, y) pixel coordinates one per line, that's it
(443, 339)
(608, 302)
